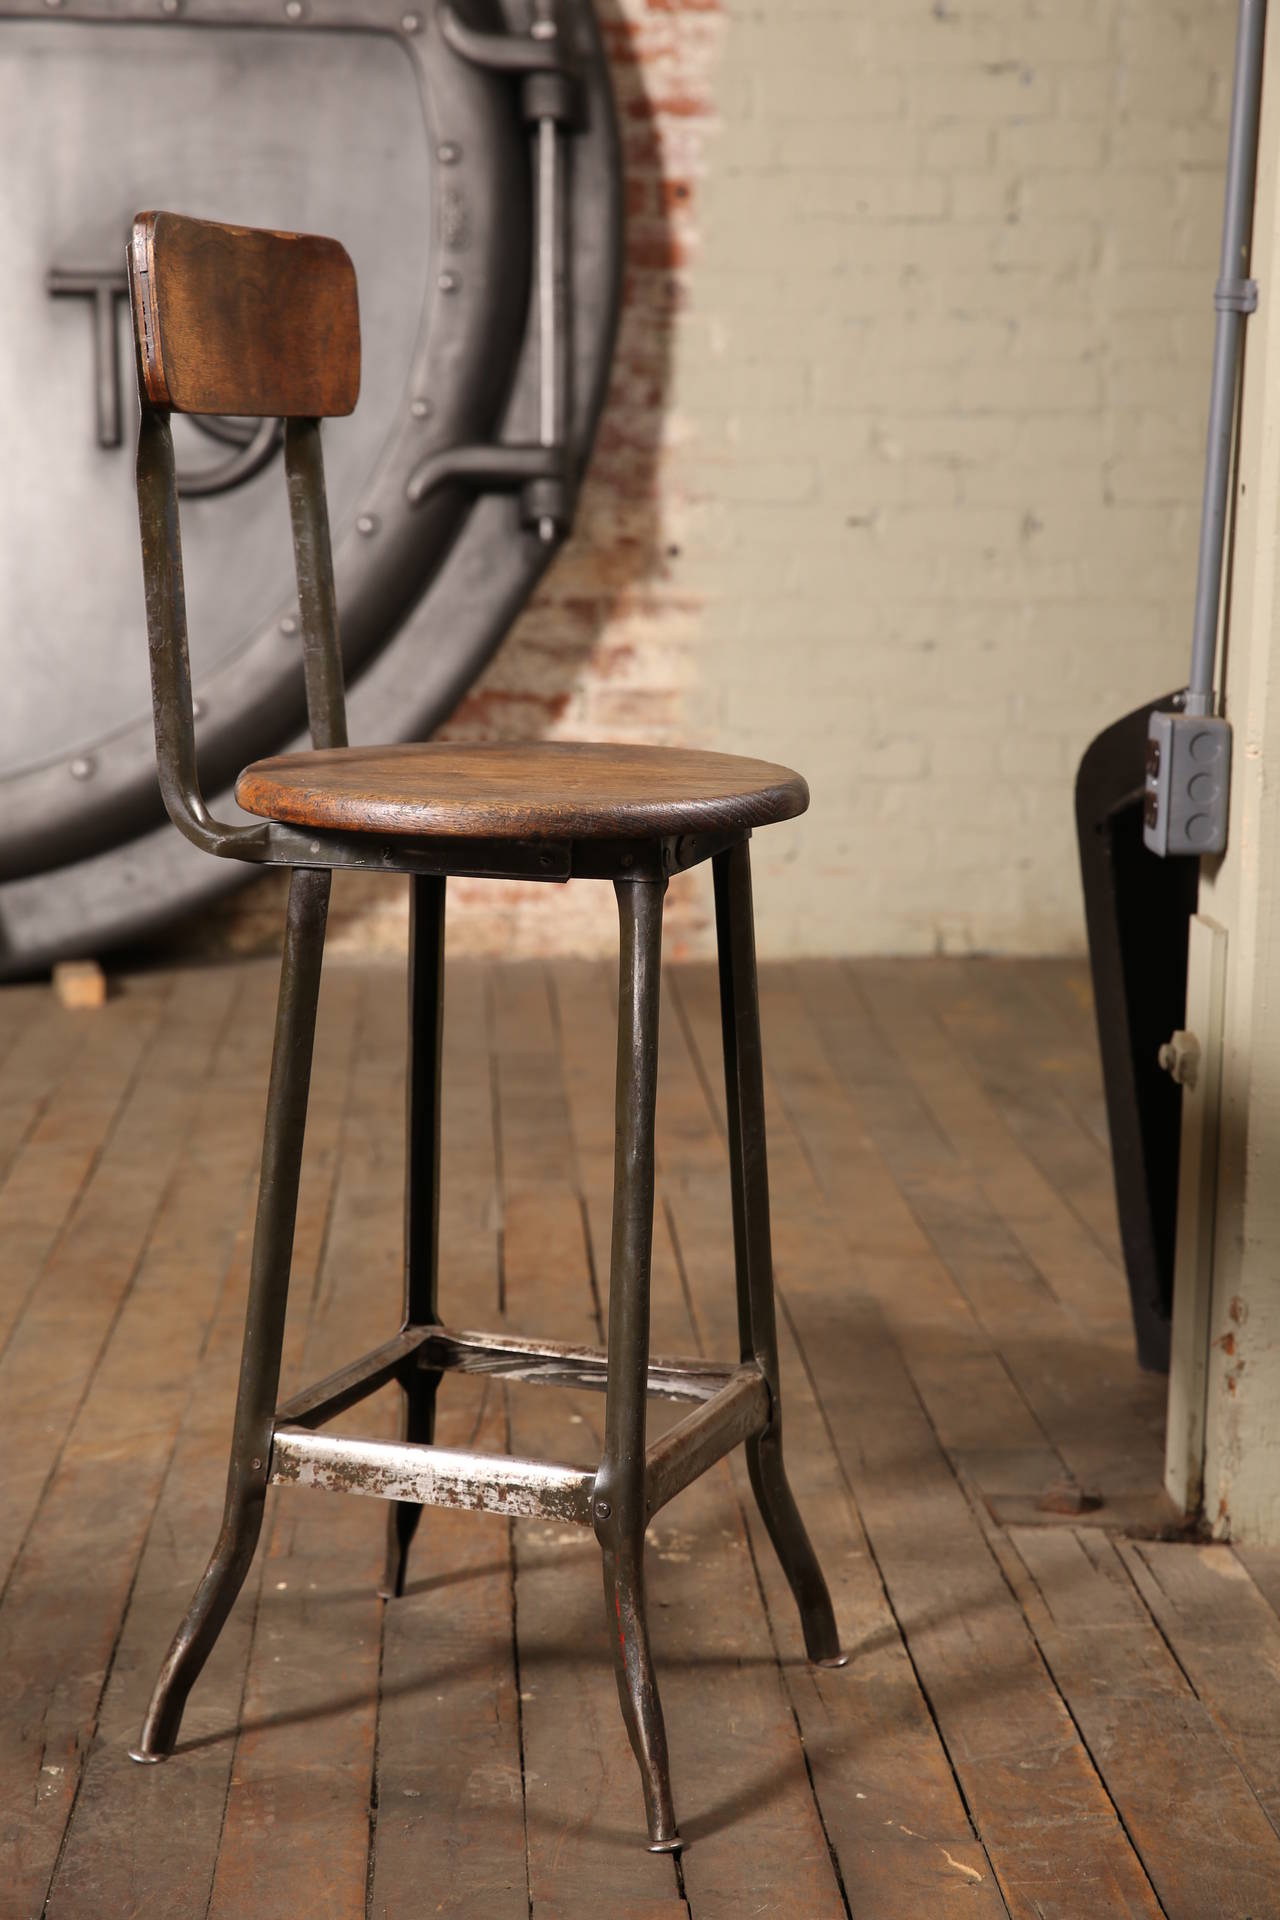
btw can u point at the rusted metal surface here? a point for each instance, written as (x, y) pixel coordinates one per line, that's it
(287, 1095)
(422, 1133)
(738, 1412)
(752, 1243)
(619, 1510)
(557, 1363)
(433, 1476)
(313, 1406)
(313, 570)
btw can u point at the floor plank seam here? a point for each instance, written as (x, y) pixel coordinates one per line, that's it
(983, 1080)
(597, 1301)
(86, 1181)
(251, 1593)
(996, 1538)
(890, 1605)
(495, 1121)
(990, 1347)
(371, 1856)
(489, 1002)
(1224, 1732)
(785, 1311)
(41, 1107)
(1123, 1540)
(86, 1749)
(109, 1331)
(836, 1869)
(749, 1535)
(161, 1485)
(695, 1054)
(514, 1564)
(974, 1175)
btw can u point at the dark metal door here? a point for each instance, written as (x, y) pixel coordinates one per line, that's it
(401, 134)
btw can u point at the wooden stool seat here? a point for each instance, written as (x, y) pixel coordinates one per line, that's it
(548, 790)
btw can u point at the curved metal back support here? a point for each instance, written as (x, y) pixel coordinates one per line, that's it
(308, 287)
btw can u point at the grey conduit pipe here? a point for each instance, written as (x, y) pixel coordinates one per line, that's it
(1189, 753)
(1234, 296)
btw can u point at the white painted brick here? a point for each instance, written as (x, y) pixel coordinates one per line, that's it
(899, 479)
(1038, 148)
(950, 145)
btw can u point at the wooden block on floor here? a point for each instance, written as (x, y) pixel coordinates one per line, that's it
(80, 984)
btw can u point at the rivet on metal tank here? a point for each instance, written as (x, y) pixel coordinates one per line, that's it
(459, 340)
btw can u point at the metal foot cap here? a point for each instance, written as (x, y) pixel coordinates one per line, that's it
(145, 1758)
(673, 1845)
(836, 1660)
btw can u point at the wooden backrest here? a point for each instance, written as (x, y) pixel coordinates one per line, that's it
(240, 320)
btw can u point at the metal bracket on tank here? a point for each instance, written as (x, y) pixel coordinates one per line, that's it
(550, 103)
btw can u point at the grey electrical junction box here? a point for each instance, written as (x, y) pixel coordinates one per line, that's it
(1188, 776)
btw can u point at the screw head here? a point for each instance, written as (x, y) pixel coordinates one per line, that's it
(257, 1466)
(603, 1510)
(447, 153)
(421, 409)
(289, 625)
(411, 22)
(293, 9)
(82, 766)
(367, 524)
(449, 282)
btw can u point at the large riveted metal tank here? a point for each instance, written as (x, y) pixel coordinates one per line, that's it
(466, 155)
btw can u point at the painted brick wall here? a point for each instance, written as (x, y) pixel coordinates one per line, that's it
(899, 475)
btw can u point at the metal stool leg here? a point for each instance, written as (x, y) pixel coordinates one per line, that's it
(619, 1496)
(264, 1320)
(422, 1187)
(753, 1257)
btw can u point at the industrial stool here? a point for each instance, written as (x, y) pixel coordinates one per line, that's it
(234, 321)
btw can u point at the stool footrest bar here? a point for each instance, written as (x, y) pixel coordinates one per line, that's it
(350, 1384)
(432, 1476)
(740, 1409)
(554, 1363)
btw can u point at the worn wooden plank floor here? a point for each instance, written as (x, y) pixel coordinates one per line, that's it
(1043, 1715)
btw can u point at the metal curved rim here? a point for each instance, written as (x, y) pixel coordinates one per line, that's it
(441, 644)
(468, 342)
